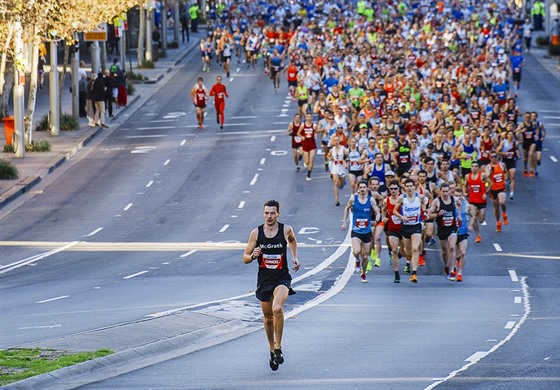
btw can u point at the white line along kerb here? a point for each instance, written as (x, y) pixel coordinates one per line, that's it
(36, 258)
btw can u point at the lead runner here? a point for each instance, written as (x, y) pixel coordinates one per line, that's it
(268, 243)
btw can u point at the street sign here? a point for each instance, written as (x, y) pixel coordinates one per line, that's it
(99, 34)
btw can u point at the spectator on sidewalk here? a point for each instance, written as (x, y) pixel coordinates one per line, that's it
(527, 34)
(110, 85)
(98, 95)
(82, 92)
(90, 109)
(193, 11)
(185, 18)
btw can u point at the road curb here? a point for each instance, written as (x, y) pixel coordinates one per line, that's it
(139, 357)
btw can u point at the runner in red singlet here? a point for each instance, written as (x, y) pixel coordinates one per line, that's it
(475, 187)
(393, 226)
(497, 173)
(293, 130)
(199, 94)
(307, 134)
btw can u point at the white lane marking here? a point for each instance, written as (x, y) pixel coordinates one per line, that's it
(183, 142)
(286, 105)
(254, 181)
(513, 275)
(244, 117)
(238, 69)
(527, 308)
(93, 232)
(497, 247)
(551, 117)
(44, 327)
(510, 325)
(342, 248)
(554, 159)
(157, 128)
(168, 120)
(517, 300)
(135, 275)
(166, 162)
(224, 228)
(149, 184)
(188, 253)
(281, 116)
(241, 204)
(284, 110)
(53, 299)
(35, 258)
(231, 79)
(273, 138)
(262, 161)
(144, 136)
(128, 206)
(475, 357)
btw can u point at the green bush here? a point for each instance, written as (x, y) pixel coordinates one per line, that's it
(134, 76)
(8, 171)
(8, 148)
(554, 50)
(147, 65)
(39, 146)
(43, 124)
(542, 41)
(68, 122)
(130, 89)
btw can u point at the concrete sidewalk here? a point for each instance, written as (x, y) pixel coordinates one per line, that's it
(36, 165)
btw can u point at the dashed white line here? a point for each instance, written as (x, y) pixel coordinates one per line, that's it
(241, 204)
(263, 161)
(517, 300)
(54, 299)
(93, 232)
(238, 69)
(497, 247)
(273, 138)
(513, 275)
(244, 117)
(183, 142)
(166, 162)
(136, 274)
(224, 228)
(157, 128)
(128, 206)
(188, 253)
(255, 178)
(231, 79)
(509, 325)
(149, 184)
(475, 357)
(554, 159)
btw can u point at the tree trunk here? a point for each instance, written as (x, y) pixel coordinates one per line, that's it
(63, 76)
(8, 86)
(3, 59)
(141, 33)
(32, 99)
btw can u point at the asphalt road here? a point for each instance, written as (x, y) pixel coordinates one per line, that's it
(154, 217)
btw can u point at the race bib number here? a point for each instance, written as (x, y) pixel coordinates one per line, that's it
(272, 261)
(396, 220)
(498, 178)
(362, 223)
(297, 139)
(412, 219)
(475, 188)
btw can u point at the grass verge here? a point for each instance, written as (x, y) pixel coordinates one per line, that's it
(19, 364)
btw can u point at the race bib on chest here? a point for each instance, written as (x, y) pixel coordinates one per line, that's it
(272, 261)
(396, 220)
(498, 178)
(362, 223)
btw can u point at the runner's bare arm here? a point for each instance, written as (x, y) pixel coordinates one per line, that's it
(252, 251)
(346, 209)
(292, 243)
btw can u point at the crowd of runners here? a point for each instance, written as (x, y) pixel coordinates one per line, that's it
(413, 104)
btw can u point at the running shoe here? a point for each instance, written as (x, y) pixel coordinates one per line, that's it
(377, 262)
(511, 195)
(498, 226)
(407, 268)
(397, 278)
(451, 278)
(459, 278)
(326, 166)
(483, 223)
(358, 268)
(421, 261)
(478, 238)
(431, 241)
(363, 278)
(278, 356)
(504, 217)
(372, 254)
(525, 173)
(531, 174)
(453, 273)
(337, 203)
(272, 363)
(298, 168)
(308, 178)
(413, 278)
(369, 267)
